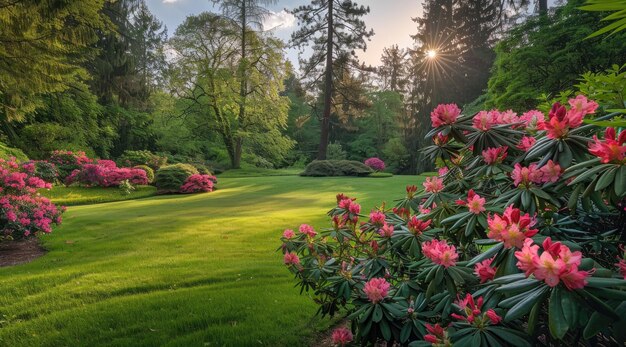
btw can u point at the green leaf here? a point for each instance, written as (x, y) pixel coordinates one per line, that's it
(600, 282)
(606, 179)
(620, 182)
(525, 305)
(405, 333)
(385, 330)
(511, 337)
(525, 284)
(556, 320)
(378, 313)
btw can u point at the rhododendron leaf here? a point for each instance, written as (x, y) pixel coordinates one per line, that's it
(565, 156)
(556, 320)
(378, 313)
(526, 304)
(588, 174)
(598, 304)
(385, 330)
(606, 178)
(471, 225)
(509, 336)
(509, 278)
(517, 298)
(533, 319)
(526, 200)
(405, 333)
(573, 200)
(570, 308)
(456, 277)
(596, 323)
(521, 285)
(596, 197)
(620, 182)
(599, 282)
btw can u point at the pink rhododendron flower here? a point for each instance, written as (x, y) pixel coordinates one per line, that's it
(354, 208)
(526, 175)
(444, 114)
(526, 143)
(484, 270)
(551, 172)
(433, 185)
(611, 150)
(442, 171)
(308, 230)
(410, 191)
(386, 230)
(474, 202)
(417, 226)
(493, 316)
(345, 203)
(484, 120)
(532, 118)
(375, 164)
(377, 218)
(495, 155)
(561, 121)
(581, 106)
(342, 336)
(288, 234)
(402, 212)
(557, 263)
(198, 183)
(512, 227)
(376, 289)
(437, 336)
(291, 259)
(440, 252)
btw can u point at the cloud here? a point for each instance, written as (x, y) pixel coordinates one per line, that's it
(277, 20)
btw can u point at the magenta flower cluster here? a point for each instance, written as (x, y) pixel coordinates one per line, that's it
(198, 183)
(22, 211)
(105, 175)
(375, 164)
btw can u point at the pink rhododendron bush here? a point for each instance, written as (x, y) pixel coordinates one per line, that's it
(68, 161)
(105, 173)
(375, 164)
(22, 211)
(198, 184)
(518, 240)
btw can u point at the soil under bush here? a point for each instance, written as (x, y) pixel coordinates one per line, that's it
(20, 252)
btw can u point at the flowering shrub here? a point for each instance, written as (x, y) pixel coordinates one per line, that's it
(105, 176)
(68, 161)
(45, 170)
(519, 239)
(375, 164)
(22, 211)
(198, 183)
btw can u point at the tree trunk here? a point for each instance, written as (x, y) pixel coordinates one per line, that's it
(243, 87)
(543, 6)
(328, 87)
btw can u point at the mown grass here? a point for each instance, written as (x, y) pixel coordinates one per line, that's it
(184, 270)
(258, 172)
(71, 196)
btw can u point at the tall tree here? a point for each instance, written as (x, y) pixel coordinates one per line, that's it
(332, 28)
(205, 76)
(393, 69)
(247, 15)
(42, 46)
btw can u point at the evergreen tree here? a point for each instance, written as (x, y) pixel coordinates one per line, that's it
(333, 28)
(393, 69)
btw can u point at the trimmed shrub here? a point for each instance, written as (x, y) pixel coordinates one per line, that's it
(380, 174)
(322, 168)
(375, 164)
(7, 152)
(134, 158)
(148, 170)
(198, 183)
(170, 178)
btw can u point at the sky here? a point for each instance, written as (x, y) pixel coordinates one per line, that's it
(390, 19)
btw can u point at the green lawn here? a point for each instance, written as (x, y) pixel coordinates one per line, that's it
(71, 196)
(184, 270)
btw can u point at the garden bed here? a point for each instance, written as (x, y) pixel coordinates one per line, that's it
(20, 252)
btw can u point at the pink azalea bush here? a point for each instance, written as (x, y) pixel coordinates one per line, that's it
(23, 212)
(520, 238)
(68, 161)
(375, 164)
(96, 175)
(198, 183)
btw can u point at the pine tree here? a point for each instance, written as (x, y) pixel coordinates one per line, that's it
(332, 28)
(393, 69)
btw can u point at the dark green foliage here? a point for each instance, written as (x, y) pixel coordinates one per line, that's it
(170, 178)
(322, 168)
(46, 171)
(134, 158)
(7, 152)
(148, 170)
(547, 54)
